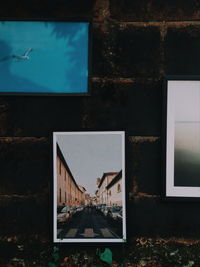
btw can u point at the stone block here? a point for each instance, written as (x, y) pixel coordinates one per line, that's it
(144, 167)
(47, 9)
(155, 217)
(40, 116)
(182, 50)
(132, 106)
(127, 51)
(154, 10)
(25, 166)
(25, 217)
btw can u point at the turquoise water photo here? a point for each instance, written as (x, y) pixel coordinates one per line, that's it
(44, 57)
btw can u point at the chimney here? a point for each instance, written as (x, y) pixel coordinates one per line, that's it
(98, 181)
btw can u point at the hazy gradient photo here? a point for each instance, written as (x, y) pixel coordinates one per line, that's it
(44, 57)
(187, 135)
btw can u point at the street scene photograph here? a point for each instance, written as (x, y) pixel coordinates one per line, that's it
(89, 186)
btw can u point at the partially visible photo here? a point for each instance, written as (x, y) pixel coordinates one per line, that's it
(183, 138)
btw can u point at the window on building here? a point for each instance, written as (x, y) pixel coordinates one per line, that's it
(65, 197)
(118, 188)
(60, 195)
(65, 175)
(110, 193)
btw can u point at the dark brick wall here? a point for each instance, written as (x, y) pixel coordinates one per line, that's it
(134, 44)
(155, 10)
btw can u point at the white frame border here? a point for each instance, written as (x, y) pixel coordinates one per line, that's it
(88, 240)
(171, 190)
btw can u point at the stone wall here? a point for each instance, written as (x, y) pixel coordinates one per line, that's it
(134, 43)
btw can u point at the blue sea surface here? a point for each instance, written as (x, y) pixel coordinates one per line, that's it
(58, 62)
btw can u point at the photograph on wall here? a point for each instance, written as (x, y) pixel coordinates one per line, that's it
(44, 57)
(183, 138)
(89, 186)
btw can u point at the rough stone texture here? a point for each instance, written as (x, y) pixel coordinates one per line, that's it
(137, 10)
(112, 105)
(133, 44)
(26, 217)
(37, 9)
(156, 217)
(137, 51)
(126, 51)
(101, 47)
(40, 116)
(182, 50)
(117, 105)
(4, 118)
(144, 168)
(24, 166)
(164, 252)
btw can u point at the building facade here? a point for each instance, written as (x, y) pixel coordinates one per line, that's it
(102, 187)
(114, 191)
(69, 193)
(82, 195)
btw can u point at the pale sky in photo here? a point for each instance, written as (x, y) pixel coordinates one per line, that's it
(186, 97)
(90, 155)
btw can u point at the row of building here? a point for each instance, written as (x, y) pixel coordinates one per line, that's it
(69, 193)
(109, 191)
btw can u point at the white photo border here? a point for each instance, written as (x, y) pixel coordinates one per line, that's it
(170, 189)
(88, 240)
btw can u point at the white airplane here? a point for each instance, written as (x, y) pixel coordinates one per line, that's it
(24, 56)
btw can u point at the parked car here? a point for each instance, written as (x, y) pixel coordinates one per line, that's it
(59, 208)
(73, 210)
(119, 217)
(63, 216)
(106, 210)
(115, 213)
(100, 207)
(79, 208)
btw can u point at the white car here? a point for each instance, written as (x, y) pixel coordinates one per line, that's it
(79, 208)
(115, 212)
(64, 216)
